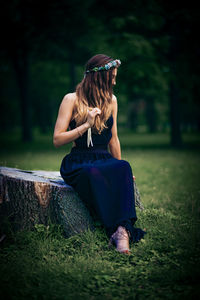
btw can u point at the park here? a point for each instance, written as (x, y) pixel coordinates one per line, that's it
(158, 126)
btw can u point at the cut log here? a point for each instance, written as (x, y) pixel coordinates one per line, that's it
(35, 197)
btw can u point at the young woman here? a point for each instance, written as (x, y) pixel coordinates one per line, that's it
(101, 178)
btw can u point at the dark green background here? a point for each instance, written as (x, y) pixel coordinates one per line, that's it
(45, 45)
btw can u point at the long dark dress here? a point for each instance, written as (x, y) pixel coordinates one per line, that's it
(103, 182)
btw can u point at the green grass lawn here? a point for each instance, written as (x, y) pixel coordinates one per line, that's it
(164, 265)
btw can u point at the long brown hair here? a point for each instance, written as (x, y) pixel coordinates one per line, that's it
(95, 90)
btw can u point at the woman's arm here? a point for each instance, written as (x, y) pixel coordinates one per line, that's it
(61, 135)
(114, 144)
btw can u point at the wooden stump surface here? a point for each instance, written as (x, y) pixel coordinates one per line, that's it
(35, 197)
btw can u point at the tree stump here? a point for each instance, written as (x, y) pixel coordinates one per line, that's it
(35, 197)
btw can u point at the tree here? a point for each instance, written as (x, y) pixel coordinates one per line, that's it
(133, 36)
(40, 31)
(157, 41)
(179, 27)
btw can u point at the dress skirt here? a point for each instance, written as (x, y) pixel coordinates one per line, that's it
(106, 186)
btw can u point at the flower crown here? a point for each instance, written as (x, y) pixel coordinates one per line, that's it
(113, 63)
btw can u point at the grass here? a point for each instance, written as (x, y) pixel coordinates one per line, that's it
(165, 265)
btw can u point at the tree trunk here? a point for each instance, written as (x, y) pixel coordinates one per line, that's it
(151, 115)
(132, 113)
(174, 101)
(35, 197)
(21, 67)
(72, 69)
(176, 140)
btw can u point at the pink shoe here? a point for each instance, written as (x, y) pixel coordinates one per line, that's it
(120, 239)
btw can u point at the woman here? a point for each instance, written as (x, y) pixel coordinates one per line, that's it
(102, 180)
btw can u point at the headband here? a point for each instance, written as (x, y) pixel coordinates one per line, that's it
(111, 64)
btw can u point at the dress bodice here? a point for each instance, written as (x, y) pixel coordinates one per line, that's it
(99, 140)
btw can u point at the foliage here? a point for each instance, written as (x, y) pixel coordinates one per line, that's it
(155, 41)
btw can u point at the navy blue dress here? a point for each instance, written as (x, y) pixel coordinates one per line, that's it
(103, 182)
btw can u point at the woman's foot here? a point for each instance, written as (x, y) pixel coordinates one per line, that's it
(120, 239)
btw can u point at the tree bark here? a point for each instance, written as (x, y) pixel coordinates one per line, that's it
(35, 197)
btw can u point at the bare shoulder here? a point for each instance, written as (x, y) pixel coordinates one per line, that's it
(67, 105)
(114, 99)
(114, 104)
(68, 102)
(69, 99)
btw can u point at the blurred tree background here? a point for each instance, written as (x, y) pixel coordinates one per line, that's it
(45, 45)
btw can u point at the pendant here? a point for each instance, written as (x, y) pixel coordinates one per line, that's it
(89, 138)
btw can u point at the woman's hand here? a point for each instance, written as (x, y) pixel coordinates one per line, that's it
(91, 115)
